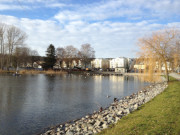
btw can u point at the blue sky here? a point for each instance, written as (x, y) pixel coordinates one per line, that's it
(112, 27)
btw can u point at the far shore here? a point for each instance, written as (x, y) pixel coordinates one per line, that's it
(78, 72)
(34, 72)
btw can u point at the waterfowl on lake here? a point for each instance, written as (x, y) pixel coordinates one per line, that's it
(108, 96)
(16, 74)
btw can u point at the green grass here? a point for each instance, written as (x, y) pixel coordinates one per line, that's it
(160, 116)
(172, 78)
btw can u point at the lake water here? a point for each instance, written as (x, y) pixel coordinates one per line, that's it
(30, 103)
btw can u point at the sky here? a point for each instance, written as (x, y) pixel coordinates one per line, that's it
(112, 27)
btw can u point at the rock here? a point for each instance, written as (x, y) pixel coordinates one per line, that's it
(94, 131)
(119, 112)
(95, 116)
(111, 107)
(126, 111)
(104, 125)
(69, 133)
(109, 119)
(58, 129)
(92, 122)
(135, 106)
(120, 101)
(98, 130)
(99, 116)
(98, 123)
(84, 125)
(66, 124)
(85, 129)
(90, 127)
(78, 129)
(131, 109)
(87, 116)
(89, 133)
(66, 128)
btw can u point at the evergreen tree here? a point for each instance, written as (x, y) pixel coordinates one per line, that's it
(50, 58)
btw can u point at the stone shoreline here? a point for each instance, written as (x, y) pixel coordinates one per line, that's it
(94, 123)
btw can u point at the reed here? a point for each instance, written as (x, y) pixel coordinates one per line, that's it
(40, 72)
(2, 71)
(5, 71)
(54, 72)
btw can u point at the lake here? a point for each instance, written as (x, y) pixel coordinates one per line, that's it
(30, 103)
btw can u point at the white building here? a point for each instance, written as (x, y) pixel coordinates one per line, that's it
(100, 63)
(119, 64)
(38, 64)
(140, 67)
(168, 66)
(71, 64)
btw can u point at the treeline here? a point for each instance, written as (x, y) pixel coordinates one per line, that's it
(15, 53)
(68, 54)
(13, 50)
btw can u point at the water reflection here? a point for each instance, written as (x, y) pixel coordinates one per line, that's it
(97, 85)
(32, 102)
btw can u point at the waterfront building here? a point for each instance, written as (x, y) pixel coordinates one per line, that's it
(38, 64)
(119, 64)
(100, 63)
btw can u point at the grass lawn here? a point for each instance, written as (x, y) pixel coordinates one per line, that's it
(160, 116)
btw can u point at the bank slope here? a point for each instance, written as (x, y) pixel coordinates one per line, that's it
(159, 116)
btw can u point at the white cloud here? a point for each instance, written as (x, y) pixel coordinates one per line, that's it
(110, 39)
(92, 23)
(57, 5)
(12, 7)
(27, 1)
(101, 10)
(136, 9)
(29, 4)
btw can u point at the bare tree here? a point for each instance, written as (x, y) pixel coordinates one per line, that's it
(21, 56)
(15, 38)
(16, 58)
(60, 54)
(156, 51)
(2, 36)
(86, 53)
(71, 53)
(34, 56)
(25, 56)
(176, 55)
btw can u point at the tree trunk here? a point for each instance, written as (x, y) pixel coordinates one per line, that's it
(166, 70)
(2, 53)
(1, 56)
